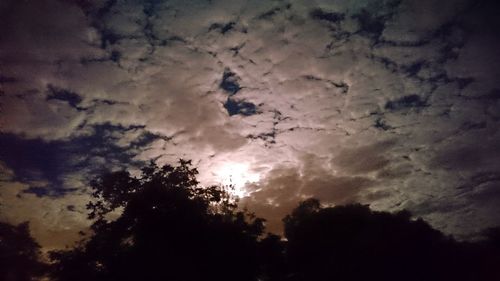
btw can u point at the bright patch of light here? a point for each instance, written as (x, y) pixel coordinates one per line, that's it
(236, 175)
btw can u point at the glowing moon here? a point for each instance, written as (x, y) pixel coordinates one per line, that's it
(236, 175)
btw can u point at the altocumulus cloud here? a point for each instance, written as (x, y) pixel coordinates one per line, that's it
(391, 103)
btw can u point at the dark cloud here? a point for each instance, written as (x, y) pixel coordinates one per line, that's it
(7, 79)
(331, 17)
(54, 93)
(410, 101)
(35, 161)
(222, 28)
(274, 11)
(381, 124)
(234, 107)
(229, 82)
(32, 160)
(370, 24)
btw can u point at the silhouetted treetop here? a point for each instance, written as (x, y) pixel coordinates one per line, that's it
(170, 228)
(352, 242)
(116, 189)
(19, 254)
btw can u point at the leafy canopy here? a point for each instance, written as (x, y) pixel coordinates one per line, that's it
(168, 228)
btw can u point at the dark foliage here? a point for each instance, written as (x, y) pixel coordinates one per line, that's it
(19, 254)
(166, 227)
(355, 243)
(169, 229)
(272, 258)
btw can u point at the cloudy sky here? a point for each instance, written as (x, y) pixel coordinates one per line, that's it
(390, 103)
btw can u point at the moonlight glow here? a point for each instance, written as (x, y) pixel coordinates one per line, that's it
(236, 175)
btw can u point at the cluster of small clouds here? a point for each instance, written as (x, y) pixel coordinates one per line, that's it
(390, 103)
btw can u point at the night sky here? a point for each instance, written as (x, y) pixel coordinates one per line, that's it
(395, 104)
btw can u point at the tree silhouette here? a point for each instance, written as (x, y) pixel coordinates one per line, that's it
(169, 228)
(353, 242)
(484, 255)
(272, 258)
(19, 254)
(162, 225)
